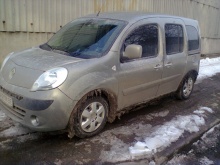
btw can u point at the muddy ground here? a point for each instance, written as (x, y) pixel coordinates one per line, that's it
(19, 145)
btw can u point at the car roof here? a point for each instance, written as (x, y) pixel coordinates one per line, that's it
(133, 16)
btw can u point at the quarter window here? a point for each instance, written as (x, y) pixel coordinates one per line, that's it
(174, 38)
(193, 38)
(147, 37)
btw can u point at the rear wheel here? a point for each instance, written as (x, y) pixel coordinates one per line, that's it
(186, 87)
(91, 117)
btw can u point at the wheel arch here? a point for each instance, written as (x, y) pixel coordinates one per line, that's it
(191, 73)
(194, 73)
(111, 99)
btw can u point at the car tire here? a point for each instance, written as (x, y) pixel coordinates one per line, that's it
(91, 117)
(186, 87)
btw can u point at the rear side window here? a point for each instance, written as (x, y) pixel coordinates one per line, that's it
(174, 38)
(147, 37)
(193, 38)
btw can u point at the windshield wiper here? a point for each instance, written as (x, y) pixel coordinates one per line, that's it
(57, 49)
(60, 51)
(45, 46)
(75, 54)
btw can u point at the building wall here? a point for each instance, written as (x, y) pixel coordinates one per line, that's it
(25, 23)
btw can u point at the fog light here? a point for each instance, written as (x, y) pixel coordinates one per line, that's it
(35, 121)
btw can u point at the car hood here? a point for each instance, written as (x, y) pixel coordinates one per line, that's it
(39, 59)
(23, 68)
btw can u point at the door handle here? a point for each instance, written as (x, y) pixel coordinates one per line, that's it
(158, 66)
(169, 64)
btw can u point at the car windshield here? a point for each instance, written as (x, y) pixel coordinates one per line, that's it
(86, 37)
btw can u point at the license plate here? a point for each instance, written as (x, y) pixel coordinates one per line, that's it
(6, 99)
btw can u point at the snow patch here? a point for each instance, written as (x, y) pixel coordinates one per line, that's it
(160, 114)
(140, 148)
(2, 116)
(151, 116)
(162, 136)
(28, 137)
(207, 109)
(208, 68)
(58, 162)
(15, 131)
(202, 110)
(152, 163)
(206, 161)
(209, 61)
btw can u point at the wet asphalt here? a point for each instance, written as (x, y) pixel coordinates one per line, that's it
(57, 148)
(205, 150)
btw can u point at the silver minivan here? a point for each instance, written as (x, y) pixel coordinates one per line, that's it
(97, 67)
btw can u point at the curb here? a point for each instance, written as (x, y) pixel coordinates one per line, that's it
(164, 156)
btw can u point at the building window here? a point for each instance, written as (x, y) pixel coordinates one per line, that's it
(193, 38)
(147, 37)
(174, 38)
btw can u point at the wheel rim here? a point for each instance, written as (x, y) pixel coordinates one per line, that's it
(92, 117)
(188, 86)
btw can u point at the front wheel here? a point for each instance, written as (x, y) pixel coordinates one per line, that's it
(186, 87)
(91, 117)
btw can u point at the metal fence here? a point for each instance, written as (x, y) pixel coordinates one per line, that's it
(50, 15)
(47, 16)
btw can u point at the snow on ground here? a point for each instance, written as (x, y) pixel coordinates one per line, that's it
(203, 110)
(208, 68)
(119, 149)
(15, 130)
(2, 116)
(162, 136)
(149, 140)
(206, 161)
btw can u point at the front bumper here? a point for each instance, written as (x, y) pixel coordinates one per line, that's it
(51, 108)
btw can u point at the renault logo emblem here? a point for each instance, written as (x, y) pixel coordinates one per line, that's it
(12, 72)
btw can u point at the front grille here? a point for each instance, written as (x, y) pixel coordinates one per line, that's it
(10, 93)
(16, 111)
(19, 112)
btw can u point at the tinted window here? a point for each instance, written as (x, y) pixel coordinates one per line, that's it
(193, 38)
(174, 38)
(147, 37)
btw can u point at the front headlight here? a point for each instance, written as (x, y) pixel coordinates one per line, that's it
(50, 79)
(5, 60)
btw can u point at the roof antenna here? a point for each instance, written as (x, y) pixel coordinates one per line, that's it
(98, 13)
(101, 8)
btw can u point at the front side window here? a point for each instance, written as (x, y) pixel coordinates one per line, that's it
(174, 38)
(193, 38)
(86, 37)
(147, 37)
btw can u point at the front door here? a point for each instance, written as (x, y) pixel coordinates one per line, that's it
(140, 78)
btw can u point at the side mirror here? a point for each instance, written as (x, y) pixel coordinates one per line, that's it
(133, 51)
